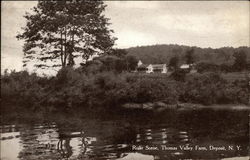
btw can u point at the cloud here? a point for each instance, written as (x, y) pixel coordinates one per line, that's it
(205, 24)
(134, 5)
(133, 38)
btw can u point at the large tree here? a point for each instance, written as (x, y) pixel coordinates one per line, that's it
(60, 31)
(173, 62)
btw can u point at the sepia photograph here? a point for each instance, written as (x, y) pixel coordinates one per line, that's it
(125, 80)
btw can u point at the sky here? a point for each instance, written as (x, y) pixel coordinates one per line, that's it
(136, 23)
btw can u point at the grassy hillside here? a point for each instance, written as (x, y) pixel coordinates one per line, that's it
(162, 53)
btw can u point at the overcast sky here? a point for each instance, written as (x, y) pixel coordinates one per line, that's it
(136, 23)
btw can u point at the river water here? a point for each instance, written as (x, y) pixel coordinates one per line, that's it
(204, 134)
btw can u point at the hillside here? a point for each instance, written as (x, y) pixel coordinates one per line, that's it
(162, 53)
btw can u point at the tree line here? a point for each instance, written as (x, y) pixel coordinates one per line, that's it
(227, 59)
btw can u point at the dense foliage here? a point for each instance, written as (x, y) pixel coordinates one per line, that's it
(211, 88)
(74, 88)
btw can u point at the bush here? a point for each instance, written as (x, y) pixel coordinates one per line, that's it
(226, 68)
(73, 89)
(150, 89)
(211, 88)
(179, 75)
(207, 67)
(23, 88)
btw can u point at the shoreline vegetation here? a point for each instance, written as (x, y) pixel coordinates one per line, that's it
(77, 90)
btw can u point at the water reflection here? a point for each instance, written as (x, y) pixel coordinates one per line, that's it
(115, 138)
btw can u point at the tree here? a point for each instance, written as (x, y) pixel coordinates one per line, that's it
(131, 63)
(118, 63)
(173, 62)
(60, 31)
(119, 52)
(178, 75)
(190, 56)
(207, 67)
(240, 62)
(109, 62)
(126, 62)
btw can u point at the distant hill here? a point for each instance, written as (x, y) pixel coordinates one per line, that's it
(162, 53)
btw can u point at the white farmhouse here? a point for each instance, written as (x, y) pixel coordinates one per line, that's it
(152, 68)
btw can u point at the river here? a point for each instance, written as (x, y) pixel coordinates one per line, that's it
(203, 134)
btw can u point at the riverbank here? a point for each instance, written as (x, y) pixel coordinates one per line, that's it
(156, 111)
(74, 90)
(161, 106)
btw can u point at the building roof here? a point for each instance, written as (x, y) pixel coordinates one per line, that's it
(139, 63)
(158, 66)
(185, 66)
(154, 66)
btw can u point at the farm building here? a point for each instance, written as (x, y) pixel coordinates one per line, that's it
(152, 68)
(188, 67)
